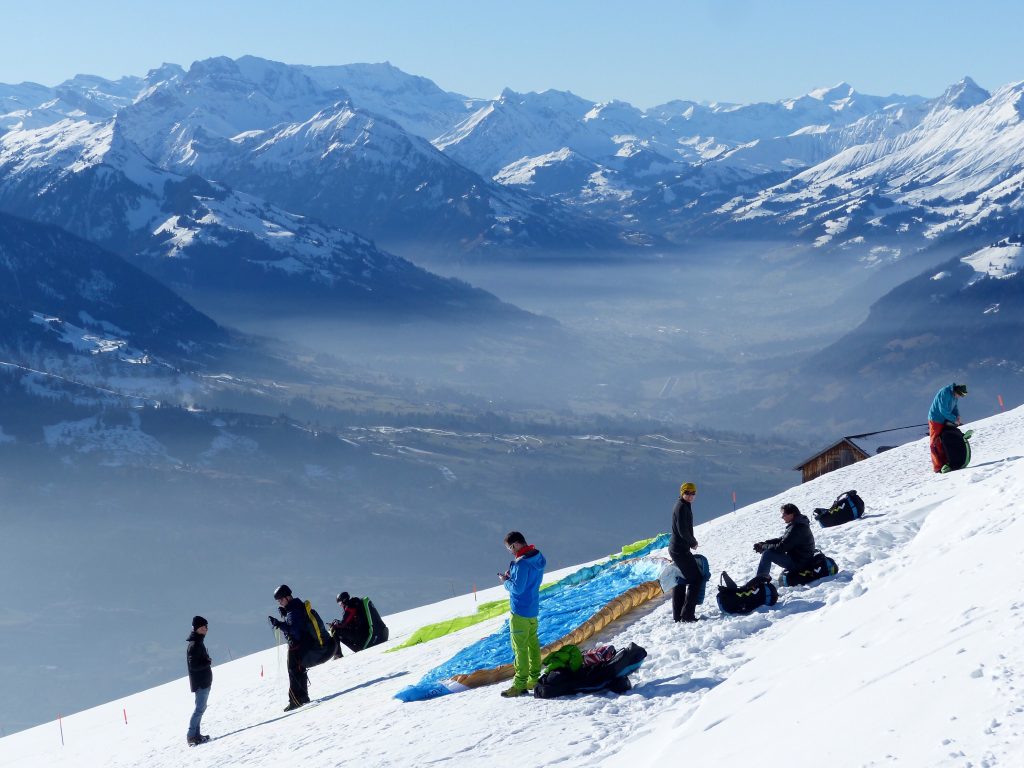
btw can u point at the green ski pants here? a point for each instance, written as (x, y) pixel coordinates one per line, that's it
(526, 648)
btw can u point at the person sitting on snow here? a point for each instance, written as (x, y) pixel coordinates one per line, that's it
(360, 626)
(794, 549)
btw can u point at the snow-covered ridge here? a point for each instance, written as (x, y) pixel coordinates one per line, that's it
(915, 635)
(1001, 260)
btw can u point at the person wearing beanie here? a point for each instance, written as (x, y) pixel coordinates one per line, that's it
(200, 677)
(943, 412)
(684, 597)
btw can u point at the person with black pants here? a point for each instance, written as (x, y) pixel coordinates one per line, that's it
(684, 597)
(295, 626)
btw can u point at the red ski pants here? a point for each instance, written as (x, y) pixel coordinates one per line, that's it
(938, 452)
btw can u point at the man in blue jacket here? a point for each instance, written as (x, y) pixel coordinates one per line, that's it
(944, 411)
(522, 580)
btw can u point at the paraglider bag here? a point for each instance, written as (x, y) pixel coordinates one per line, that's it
(749, 597)
(609, 675)
(956, 446)
(820, 566)
(848, 506)
(705, 572)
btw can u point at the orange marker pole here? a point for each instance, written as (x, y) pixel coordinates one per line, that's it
(125, 711)
(1001, 407)
(734, 501)
(261, 670)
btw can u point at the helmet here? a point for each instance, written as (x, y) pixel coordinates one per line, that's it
(283, 591)
(342, 597)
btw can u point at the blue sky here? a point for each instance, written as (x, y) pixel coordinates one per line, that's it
(644, 52)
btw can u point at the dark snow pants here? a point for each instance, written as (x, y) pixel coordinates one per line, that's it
(298, 680)
(684, 598)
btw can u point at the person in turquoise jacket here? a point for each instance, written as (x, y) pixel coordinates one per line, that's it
(944, 411)
(522, 580)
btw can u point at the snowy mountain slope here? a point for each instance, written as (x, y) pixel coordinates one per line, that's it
(415, 103)
(352, 169)
(962, 319)
(959, 169)
(179, 122)
(69, 306)
(300, 142)
(657, 164)
(83, 97)
(206, 240)
(912, 643)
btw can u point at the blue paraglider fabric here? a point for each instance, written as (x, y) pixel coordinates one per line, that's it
(562, 609)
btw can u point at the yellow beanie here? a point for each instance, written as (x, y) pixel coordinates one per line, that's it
(692, 488)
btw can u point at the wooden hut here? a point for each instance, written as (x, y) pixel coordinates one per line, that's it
(853, 448)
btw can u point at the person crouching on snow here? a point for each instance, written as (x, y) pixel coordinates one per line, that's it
(522, 580)
(944, 411)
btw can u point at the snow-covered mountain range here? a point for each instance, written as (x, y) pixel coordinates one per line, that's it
(207, 241)
(907, 656)
(394, 157)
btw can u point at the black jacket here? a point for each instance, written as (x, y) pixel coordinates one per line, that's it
(797, 541)
(682, 540)
(295, 624)
(361, 626)
(200, 666)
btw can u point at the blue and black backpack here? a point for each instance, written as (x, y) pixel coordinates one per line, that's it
(848, 506)
(749, 597)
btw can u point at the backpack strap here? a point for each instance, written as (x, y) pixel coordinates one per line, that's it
(369, 622)
(725, 580)
(314, 623)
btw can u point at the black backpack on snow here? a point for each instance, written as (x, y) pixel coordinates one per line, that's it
(820, 566)
(848, 506)
(749, 597)
(956, 446)
(611, 675)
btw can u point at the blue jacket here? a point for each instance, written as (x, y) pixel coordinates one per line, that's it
(525, 574)
(944, 406)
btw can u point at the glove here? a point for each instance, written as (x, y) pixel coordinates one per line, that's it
(759, 547)
(282, 611)
(274, 622)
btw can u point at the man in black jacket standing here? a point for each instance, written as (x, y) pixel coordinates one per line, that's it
(200, 677)
(792, 550)
(684, 598)
(295, 626)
